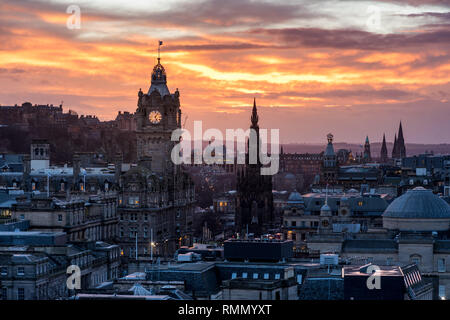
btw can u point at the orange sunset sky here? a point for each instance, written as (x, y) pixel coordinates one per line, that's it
(314, 66)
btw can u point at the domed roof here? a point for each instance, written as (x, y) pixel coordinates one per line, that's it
(295, 197)
(325, 208)
(418, 203)
(289, 176)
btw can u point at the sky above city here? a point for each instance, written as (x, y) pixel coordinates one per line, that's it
(352, 68)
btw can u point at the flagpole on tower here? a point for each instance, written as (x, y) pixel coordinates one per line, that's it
(159, 49)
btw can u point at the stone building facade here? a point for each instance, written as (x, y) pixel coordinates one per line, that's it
(34, 265)
(415, 230)
(86, 218)
(156, 202)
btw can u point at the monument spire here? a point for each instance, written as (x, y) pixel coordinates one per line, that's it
(254, 117)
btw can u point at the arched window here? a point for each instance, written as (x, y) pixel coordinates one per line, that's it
(416, 259)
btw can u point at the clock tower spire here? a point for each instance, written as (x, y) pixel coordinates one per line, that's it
(157, 115)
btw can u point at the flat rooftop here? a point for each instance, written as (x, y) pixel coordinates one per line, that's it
(385, 271)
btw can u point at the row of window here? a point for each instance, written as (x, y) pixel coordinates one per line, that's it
(20, 271)
(133, 232)
(265, 276)
(133, 217)
(303, 223)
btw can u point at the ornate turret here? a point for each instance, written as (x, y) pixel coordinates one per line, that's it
(159, 80)
(159, 77)
(329, 165)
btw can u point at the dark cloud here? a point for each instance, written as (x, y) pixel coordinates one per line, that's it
(366, 93)
(211, 13)
(219, 13)
(11, 71)
(215, 47)
(352, 39)
(419, 3)
(440, 15)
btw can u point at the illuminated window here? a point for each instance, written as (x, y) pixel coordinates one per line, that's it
(244, 275)
(442, 292)
(360, 203)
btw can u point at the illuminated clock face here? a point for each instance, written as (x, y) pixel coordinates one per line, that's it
(155, 117)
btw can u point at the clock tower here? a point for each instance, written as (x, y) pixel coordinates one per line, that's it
(157, 115)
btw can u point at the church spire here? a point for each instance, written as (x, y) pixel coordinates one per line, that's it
(400, 132)
(384, 152)
(394, 148)
(401, 149)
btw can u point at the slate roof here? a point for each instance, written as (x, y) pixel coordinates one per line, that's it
(373, 245)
